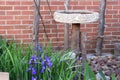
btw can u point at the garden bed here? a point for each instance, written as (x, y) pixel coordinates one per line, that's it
(108, 64)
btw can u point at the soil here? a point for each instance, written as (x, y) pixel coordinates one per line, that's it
(109, 65)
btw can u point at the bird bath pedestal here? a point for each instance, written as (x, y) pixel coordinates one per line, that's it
(75, 17)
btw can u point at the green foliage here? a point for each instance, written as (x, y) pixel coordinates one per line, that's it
(113, 77)
(14, 59)
(88, 73)
(102, 75)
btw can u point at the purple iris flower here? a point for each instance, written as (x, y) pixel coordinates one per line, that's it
(35, 48)
(43, 66)
(49, 63)
(33, 59)
(34, 71)
(30, 68)
(33, 78)
(39, 47)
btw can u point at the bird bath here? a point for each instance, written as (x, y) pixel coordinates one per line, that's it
(75, 17)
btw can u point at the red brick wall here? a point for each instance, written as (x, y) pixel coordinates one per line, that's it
(16, 21)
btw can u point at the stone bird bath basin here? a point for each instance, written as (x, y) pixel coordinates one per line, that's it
(76, 17)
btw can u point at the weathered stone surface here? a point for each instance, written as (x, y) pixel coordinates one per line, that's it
(76, 16)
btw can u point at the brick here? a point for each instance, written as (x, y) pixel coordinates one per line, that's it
(57, 3)
(6, 27)
(112, 20)
(109, 7)
(42, 31)
(2, 22)
(92, 34)
(27, 12)
(74, 3)
(27, 40)
(112, 12)
(12, 3)
(10, 36)
(78, 7)
(61, 35)
(44, 3)
(2, 2)
(6, 7)
(115, 33)
(112, 3)
(116, 16)
(116, 7)
(108, 16)
(21, 36)
(14, 22)
(13, 12)
(2, 12)
(52, 8)
(86, 30)
(23, 27)
(51, 35)
(85, 3)
(20, 7)
(6, 18)
(27, 3)
(92, 25)
(109, 46)
(96, 3)
(61, 8)
(107, 33)
(93, 7)
(27, 31)
(21, 17)
(112, 29)
(27, 22)
(116, 24)
(2, 32)
(12, 31)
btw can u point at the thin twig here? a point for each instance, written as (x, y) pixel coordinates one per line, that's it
(41, 20)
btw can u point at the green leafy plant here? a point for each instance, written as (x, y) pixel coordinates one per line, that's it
(102, 75)
(88, 73)
(15, 59)
(113, 77)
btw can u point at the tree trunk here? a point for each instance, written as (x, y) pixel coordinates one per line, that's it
(101, 27)
(66, 29)
(36, 24)
(83, 46)
(117, 49)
